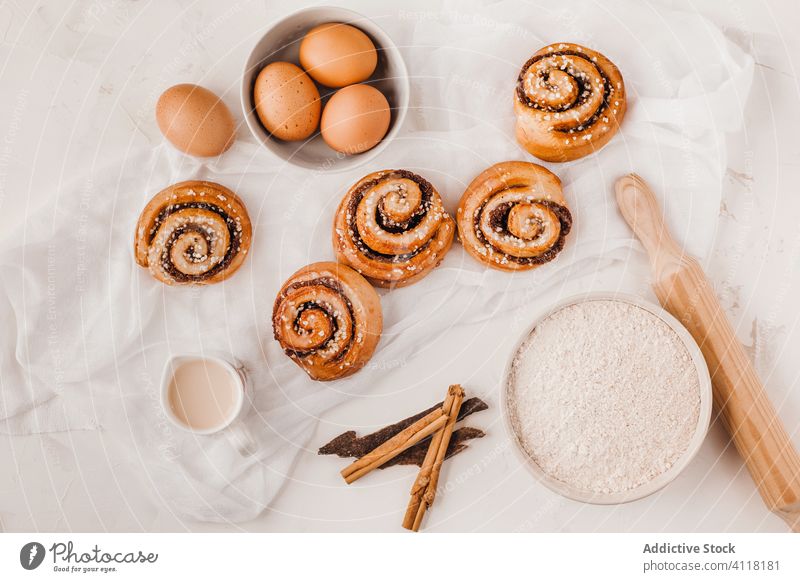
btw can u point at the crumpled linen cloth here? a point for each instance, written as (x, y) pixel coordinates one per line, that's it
(86, 332)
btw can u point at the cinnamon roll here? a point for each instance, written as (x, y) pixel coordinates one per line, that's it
(513, 216)
(328, 319)
(569, 102)
(193, 232)
(392, 228)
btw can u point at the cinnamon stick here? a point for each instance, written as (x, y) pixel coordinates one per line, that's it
(423, 491)
(349, 444)
(424, 427)
(416, 454)
(417, 489)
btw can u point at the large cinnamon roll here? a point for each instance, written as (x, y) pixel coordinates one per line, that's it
(513, 216)
(328, 319)
(569, 102)
(193, 233)
(392, 228)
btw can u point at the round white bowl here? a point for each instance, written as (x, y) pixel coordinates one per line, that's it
(664, 478)
(282, 43)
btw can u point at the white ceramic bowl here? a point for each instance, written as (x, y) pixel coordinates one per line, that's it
(282, 43)
(660, 481)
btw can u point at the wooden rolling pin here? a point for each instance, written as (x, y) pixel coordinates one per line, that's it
(746, 411)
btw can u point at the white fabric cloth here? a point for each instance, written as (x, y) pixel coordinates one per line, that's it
(86, 332)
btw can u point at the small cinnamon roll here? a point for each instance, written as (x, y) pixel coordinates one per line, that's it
(392, 228)
(569, 102)
(513, 216)
(193, 232)
(327, 319)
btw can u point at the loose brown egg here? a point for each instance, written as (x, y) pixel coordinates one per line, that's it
(287, 101)
(195, 120)
(355, 119)
(337, 55)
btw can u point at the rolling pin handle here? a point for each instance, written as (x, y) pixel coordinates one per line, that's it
(640, 209)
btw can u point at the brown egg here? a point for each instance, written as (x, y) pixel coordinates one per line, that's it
(195, 120)
(337, 55)
(287, 101)
(355, 119)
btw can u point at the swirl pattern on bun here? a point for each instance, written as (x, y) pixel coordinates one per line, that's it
(392, 228)
(327, 318)
(513, 216)
(569, 102)
(193, 232)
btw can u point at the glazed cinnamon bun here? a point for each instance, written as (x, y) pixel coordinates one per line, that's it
(569, 101)
(327, 318)
(392, 228)
(193, 232)
(513, 216)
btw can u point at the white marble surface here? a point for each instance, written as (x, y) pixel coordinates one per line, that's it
(85, 481)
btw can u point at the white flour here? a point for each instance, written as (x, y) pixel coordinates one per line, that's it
(604, 396)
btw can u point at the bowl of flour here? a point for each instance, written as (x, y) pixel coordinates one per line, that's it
(607, 398)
